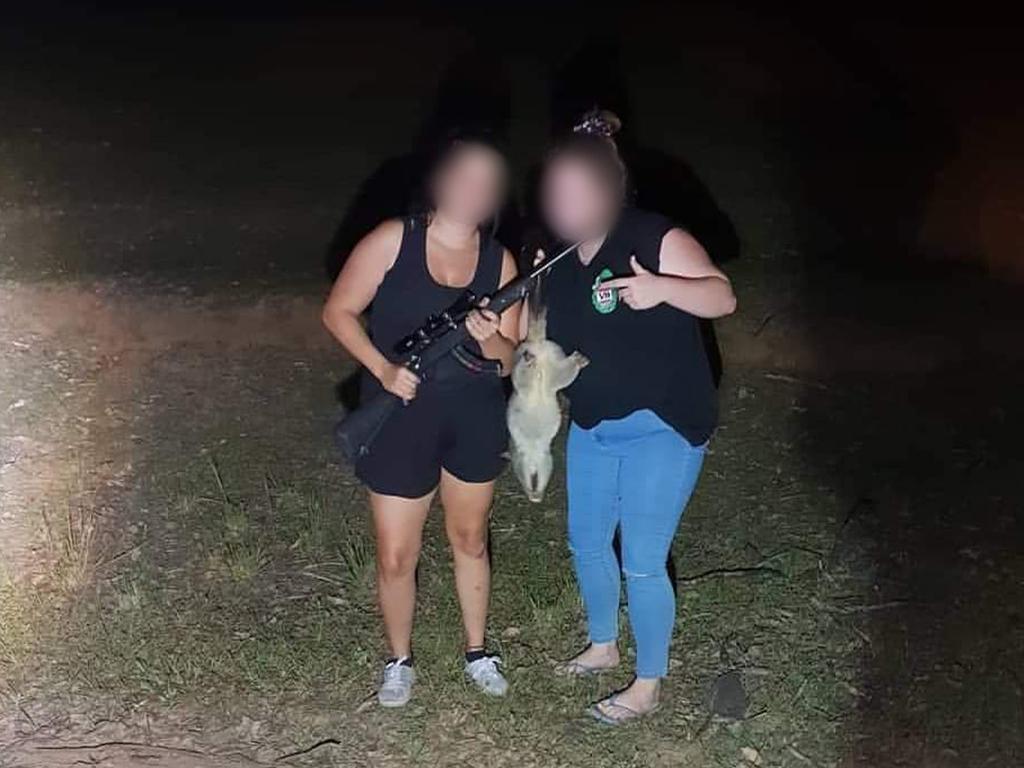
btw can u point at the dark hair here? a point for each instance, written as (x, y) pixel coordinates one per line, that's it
(423, 204)
(592, 142)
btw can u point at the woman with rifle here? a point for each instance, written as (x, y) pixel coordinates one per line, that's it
(450, 436)
(642, 411)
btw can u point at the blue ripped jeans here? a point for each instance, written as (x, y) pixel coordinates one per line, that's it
(635, 474)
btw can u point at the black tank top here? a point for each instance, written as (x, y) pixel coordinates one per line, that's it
(653, 358)
(409, 294)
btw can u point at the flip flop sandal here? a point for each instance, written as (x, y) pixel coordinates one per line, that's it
(576, 669)
(623, 714)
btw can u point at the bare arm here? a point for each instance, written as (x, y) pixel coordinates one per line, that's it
(686, 280)
(352, 293)
(498, 337)
(692, 282)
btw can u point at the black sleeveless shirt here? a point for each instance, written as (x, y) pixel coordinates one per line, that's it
(653, 358)
(409, 294)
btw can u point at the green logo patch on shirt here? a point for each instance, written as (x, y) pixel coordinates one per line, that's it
(605, 300)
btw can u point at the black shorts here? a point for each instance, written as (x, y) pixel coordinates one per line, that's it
(460, 428)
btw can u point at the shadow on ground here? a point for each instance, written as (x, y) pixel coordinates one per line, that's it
(473, 96)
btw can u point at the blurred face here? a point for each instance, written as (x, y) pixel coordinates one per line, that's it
(470, 185)
(578, 204)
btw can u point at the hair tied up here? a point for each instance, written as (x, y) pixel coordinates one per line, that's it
(598, 122)
(592, 143)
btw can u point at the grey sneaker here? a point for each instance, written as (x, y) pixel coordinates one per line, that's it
(396, 685)
(484, 672)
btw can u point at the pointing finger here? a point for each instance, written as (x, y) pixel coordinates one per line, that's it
(618, 282)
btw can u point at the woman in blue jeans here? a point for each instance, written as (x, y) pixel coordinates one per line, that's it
(642, 411)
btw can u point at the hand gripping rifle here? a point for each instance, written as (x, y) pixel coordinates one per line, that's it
(420, 352)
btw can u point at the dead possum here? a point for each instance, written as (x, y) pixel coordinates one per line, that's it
(541, 370)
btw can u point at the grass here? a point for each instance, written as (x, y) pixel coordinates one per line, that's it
(249, 593)
(72, 546)
(269, 602)
(15, 624)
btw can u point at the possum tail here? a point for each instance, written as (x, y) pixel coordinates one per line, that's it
(538, 324)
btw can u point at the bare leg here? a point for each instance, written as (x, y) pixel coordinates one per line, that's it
(467, 509)
(595, 657)
(399, 527)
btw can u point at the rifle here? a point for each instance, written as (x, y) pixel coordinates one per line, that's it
(420, 352)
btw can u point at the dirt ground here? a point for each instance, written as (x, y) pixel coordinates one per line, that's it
(129, 393)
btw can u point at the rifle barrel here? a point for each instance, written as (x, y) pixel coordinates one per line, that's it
(540, 270)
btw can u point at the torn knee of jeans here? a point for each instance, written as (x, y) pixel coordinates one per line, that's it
(643, 574)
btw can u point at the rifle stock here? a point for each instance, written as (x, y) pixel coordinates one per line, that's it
(355, 433)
